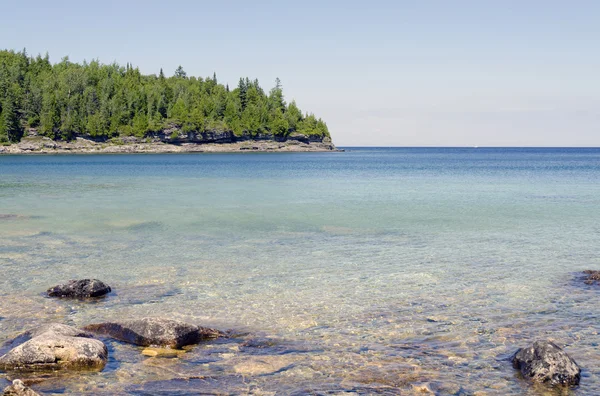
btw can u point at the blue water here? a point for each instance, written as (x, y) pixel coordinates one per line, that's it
(373, 270)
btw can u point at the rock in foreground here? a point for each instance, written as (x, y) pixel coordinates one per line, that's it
(18, 388)
(55, 347)
(155, 332)
(83, 288)
(546, 362)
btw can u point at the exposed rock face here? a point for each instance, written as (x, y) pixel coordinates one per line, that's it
(155, 331)
(546, 362)
(18, 388)
(173, 140)
(592, 278)
(82, 288)
(55, 347)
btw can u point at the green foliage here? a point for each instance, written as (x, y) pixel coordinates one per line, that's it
(67, 99)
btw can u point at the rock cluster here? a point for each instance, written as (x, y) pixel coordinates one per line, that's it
(592, 277)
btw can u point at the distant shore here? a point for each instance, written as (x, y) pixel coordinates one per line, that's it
(41, 145)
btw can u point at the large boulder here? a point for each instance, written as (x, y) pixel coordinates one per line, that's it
(18, 388)
(155, 332)
(54, 347)
(83, 288)
(544, 361)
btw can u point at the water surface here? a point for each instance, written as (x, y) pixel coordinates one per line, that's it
(369, 271)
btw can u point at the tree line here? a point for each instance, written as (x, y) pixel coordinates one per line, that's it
(67, 99)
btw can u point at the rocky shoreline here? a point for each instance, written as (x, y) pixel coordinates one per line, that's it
(83, 145)
(61, 349)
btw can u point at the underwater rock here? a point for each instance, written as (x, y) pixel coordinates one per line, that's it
(163, 352)
(592, 278)
(155, 331)
(5, 216)
(18, 388)
(82, 288)
(55, 347)
(546, 362)
(262, 365)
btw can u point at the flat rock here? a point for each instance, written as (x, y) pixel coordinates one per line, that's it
(545, 362)
(54, 347)
(163, 352)
(18, 388)
(82, 288)
(261, 365)
(155, 332)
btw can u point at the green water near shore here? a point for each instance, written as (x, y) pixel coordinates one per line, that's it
(374, 270)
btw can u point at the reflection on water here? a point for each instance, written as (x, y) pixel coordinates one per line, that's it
(369, 272)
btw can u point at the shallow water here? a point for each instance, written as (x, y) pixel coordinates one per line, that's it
(374, 271)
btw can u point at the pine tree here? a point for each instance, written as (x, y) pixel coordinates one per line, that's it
(10, 123)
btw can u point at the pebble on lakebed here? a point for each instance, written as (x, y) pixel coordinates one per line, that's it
(155, 332)
(82, 288)
(545, 362)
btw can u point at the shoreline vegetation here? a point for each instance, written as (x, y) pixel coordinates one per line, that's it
(94, 107)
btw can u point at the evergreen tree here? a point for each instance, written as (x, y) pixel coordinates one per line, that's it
(179, 73)
(10, 124)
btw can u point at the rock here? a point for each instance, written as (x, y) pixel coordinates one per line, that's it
(546, 362)
(163, 352)
(18, 388)
(55, 347)
(261, 365)
(8, 216)
(82, 288)
(592, 278)
(155, 331)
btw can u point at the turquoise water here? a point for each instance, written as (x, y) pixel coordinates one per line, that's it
(368, 271)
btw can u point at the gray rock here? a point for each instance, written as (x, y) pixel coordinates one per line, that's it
(18, 388)
(546, 362)
(55, 347)
(82, 288)
(155, 332)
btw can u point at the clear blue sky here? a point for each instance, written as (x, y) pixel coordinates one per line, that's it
(399, 73)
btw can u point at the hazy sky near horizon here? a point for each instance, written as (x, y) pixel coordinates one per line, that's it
(386, 73)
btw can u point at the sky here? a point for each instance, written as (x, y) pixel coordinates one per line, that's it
(380, 73)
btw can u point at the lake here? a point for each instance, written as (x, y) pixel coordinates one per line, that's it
(373, 271)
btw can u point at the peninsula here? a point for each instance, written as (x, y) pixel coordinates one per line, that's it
(98, 108)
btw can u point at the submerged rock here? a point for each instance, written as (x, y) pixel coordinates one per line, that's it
(155, 331)
(163, 352)
(546, 362)
(55, 347)
(82, 288)
(18, 388)
(592, 277)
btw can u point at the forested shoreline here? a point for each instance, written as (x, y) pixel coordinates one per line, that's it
(102, 101)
